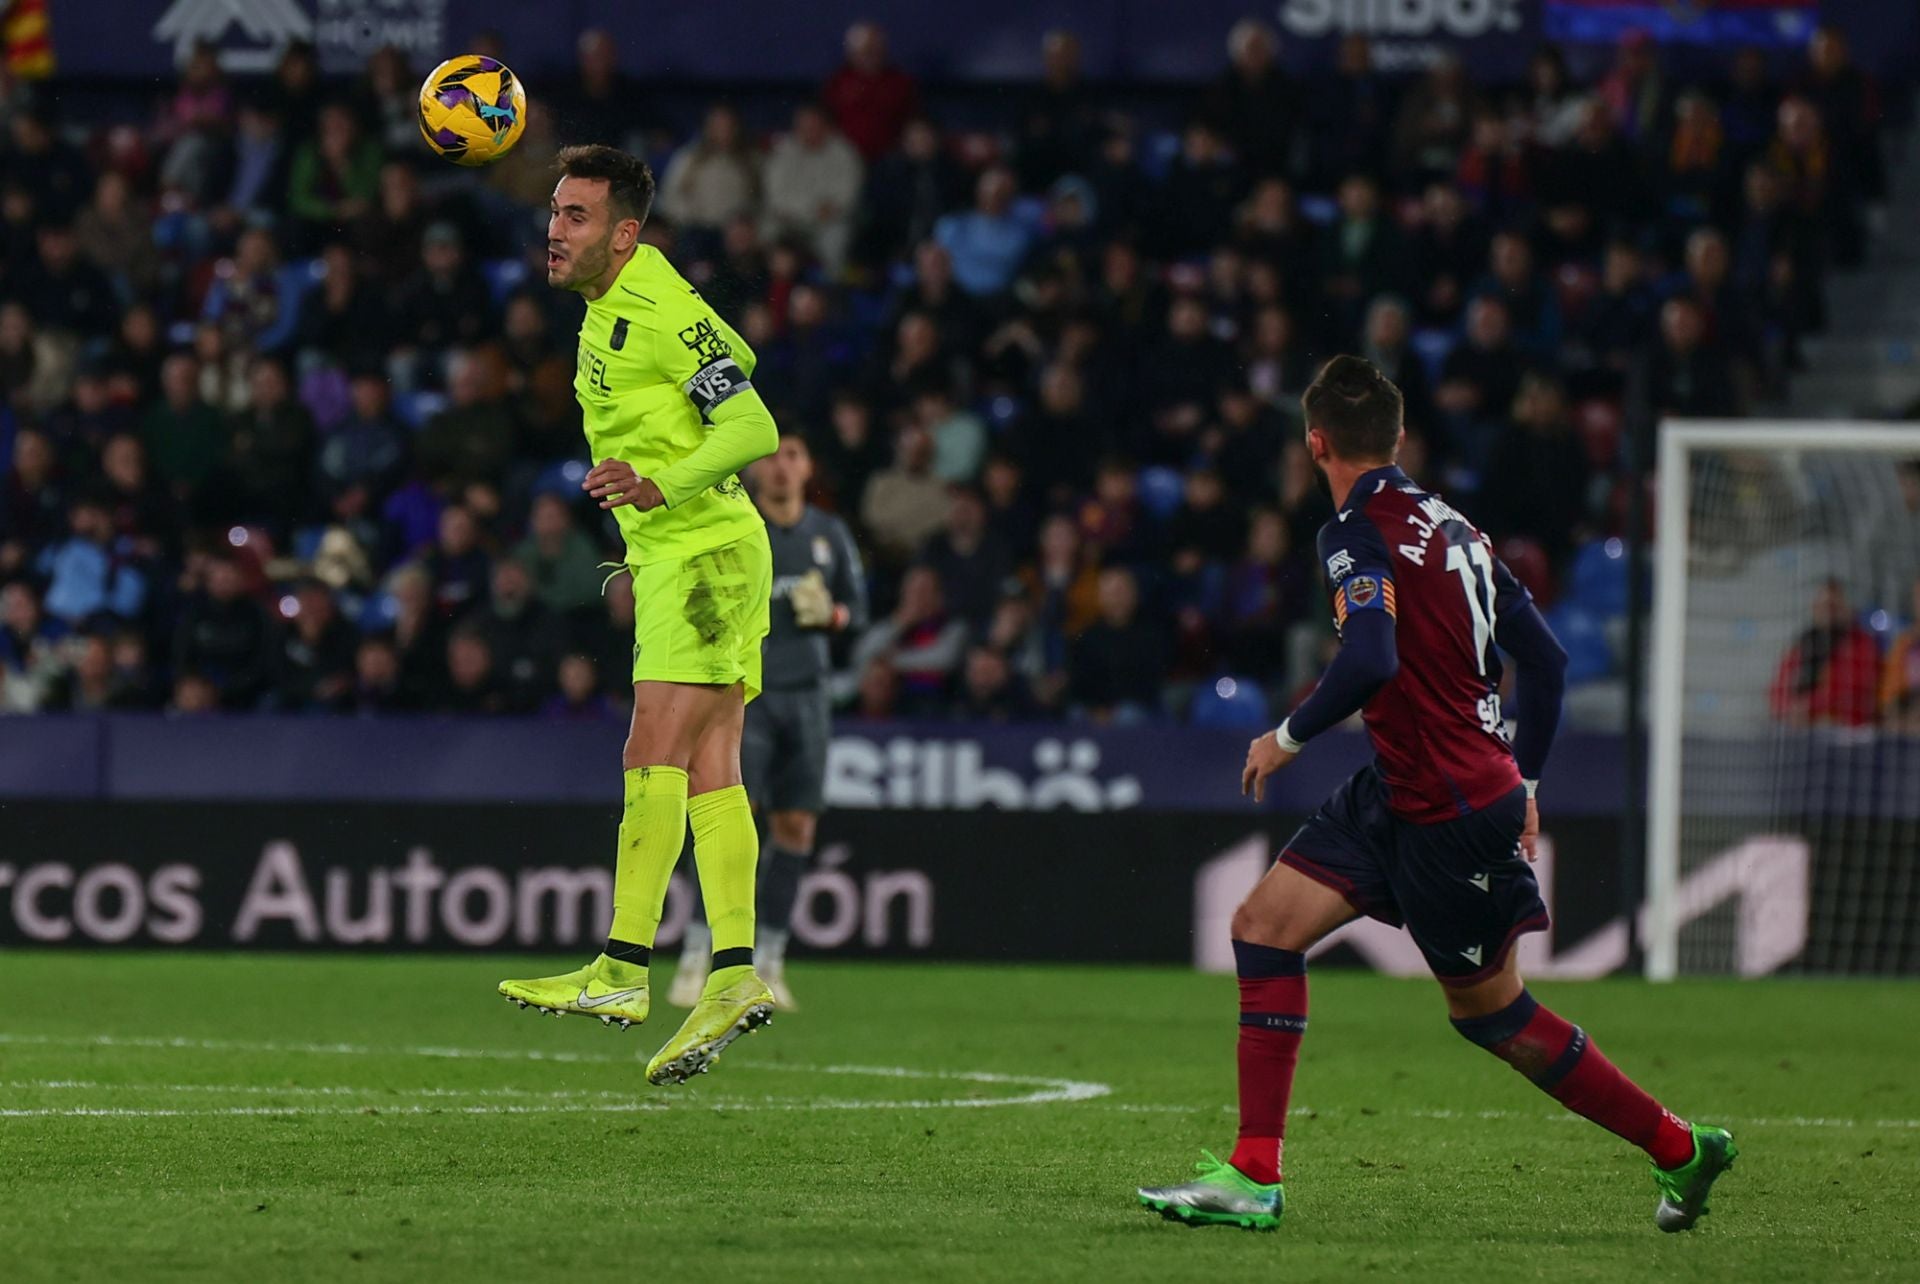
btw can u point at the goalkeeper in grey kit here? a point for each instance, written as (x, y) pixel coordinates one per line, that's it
(819, 588)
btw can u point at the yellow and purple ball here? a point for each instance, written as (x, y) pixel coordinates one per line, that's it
(472, 109)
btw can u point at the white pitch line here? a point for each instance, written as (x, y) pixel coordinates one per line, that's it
(1044, 1090)
(1789, 1121)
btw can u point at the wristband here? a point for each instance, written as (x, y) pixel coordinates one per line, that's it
(1531, 786)
(1286, 740)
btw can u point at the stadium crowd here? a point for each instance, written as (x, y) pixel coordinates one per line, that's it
(289, 420)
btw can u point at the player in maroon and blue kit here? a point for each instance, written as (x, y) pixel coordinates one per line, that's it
(1436, 833)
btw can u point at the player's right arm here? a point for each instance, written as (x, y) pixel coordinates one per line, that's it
(849, 578)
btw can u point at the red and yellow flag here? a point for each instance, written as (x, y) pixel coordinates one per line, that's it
(26, 41)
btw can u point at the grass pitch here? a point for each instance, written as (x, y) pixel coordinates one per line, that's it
(224, 1117)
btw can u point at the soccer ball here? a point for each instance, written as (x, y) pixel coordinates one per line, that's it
(472, 110)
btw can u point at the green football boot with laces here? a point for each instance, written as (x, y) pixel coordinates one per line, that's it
(1683, 1190)
(1221, 1195)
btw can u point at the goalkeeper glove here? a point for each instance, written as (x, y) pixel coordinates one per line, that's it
(812, 603)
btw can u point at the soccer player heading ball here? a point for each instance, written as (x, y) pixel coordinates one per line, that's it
(1432, 833)
(671, 418)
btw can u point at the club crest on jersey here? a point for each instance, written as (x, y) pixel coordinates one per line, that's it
(618, 339)
(1339, 566)
(822, 551)
(1361, 591)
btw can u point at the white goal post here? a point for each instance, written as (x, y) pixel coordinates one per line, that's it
(1752, 518)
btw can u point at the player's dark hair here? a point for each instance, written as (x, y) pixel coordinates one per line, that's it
(1357, 407)
(629, 181)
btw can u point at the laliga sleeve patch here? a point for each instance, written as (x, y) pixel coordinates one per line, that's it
(714, 383)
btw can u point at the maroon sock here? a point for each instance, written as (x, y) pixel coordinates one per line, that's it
(1273, 1016)
(1567, 1066)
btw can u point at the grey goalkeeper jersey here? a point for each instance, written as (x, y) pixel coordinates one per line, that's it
(797, 658)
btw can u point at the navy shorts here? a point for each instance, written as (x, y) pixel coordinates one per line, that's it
(1462, 887)
(783, 749)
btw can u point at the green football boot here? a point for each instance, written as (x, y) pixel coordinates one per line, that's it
(1683, 1190)
(724, 1013)
(592, 991)
(1221, 1195)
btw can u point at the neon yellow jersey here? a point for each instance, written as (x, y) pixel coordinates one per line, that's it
(654, 361)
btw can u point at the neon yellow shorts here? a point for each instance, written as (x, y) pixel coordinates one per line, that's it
(701, 619)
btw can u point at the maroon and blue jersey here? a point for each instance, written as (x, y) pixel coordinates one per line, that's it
(1436, 724)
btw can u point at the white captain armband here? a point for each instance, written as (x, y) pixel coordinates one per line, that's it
(714, 383)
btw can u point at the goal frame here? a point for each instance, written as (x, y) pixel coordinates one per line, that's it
(1679, 439)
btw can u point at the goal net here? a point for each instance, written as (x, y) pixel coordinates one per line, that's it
(1784, 790)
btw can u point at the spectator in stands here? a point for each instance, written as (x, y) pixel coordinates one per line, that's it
(444, 304)
(525, 638)
(1478, 380)
(1830, 676)
(255, 299)
(1432, 124)
(991, 691)
(377, 684)
(65, 293)
(920, 642)
(390, 98)
(870, 98)
(472, 685)
(560, 560)
(471, 440)
(1618, 320)
(1119, 665)
(1899, 676)
(906, 503)
(115, 235)
(50, 171)
(419, 635)
(988, 243)
(1635, 92)
(335, 177)
(185, 436)
(1266, 592)
(812, 182)
(367, 449)
(1386, 339)
(387, 238)
(30, 659)
(579, 698)
(88, 573)
(972, 564)
(1362, 254)
(315, 657)
(1196, 202)
(1256, 103)
(92, 684)
(1350, 111)
(34, 365)
(224, 637)
(1536, 475)
(907, 191)
(1849, 103)
(260, 163)
(32, 501)
(456, 565)
(1533, 313)
(712, 180)
(959, 435)
(1058, 124)
(603, 104)
(1687, 377)
(270, 447)
(1179, 380)
(143, 515)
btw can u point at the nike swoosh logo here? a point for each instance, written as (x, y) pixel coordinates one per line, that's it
(584, 1002)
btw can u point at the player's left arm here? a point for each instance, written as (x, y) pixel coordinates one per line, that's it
(1368, 659)
(849, 580)
(1539, 682)
(700, 357)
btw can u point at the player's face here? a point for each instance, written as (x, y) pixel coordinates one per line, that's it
(785, 473)
(583, 237)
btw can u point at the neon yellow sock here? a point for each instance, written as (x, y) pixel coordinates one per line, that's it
(728, 852)
(652, 830)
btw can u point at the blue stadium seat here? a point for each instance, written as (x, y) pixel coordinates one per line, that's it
(1231, 703)
(504, 276)
(1584, 635)
(1598, 581)
(415, 408)
(562, 479)
(378, 613)
(1433, 347)
(1319, 210)
(1161, 488)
